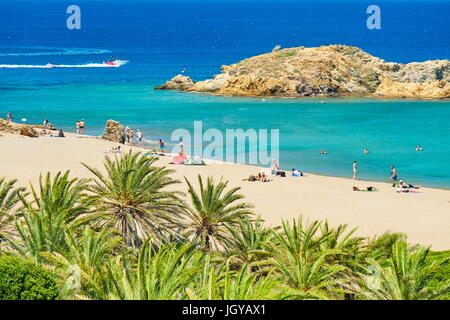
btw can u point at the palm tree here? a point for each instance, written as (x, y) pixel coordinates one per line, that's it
(53, 210)
(250, 244)
(219, 282)
(81, 265)
(214, 210)
(160, 274)
(300, 260)
(9, 197)
(407, 275)
(380, 247)
(131, 199)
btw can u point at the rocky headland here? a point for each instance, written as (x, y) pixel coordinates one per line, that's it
(326, 71)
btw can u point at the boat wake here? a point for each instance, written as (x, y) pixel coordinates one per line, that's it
(49, 66)
(113, 62)
(51, 51)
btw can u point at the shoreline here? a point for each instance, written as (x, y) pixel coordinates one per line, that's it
(369, 97)
(154, 144)
(422, 217)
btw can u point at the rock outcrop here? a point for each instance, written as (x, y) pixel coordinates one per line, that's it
(179, 82)
(114, 131)
(28, 132)
(334, 70)
(19, 128)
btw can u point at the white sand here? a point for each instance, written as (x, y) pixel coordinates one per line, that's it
(424, 217)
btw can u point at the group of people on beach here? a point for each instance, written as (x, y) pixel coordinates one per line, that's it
(262, 177)
(401, 186)
(80, 126)
(130, 137)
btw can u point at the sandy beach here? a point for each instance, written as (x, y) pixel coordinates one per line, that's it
(424, 217)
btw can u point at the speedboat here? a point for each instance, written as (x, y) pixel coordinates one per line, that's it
(116, 62)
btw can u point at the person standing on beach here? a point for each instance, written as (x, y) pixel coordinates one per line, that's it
(130, 136)
(394, 175)
(181, 147)
(139, 136)
(9, 117)
(78, 126)
(82, 126)
(355, 169)
(162, 145)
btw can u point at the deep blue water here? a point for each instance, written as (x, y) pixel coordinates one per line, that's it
(160, 38)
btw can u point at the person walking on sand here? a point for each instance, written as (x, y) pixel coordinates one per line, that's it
(355, 169)
(162, 145)
(394, 174)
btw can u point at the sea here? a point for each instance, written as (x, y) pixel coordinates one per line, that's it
(161, 39)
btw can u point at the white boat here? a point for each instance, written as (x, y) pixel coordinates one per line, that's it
(115, 62)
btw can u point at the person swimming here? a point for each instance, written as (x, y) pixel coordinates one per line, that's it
(366, 151)
(418, 148)
(323, 151)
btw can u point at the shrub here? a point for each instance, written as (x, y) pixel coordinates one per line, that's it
(443, 275)
(23, 280)
(286, 54)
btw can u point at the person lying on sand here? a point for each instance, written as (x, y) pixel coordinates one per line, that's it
(115, 150)
(405, 185)
(369, 189)
(251, 178)
(262, 177)
(296, 173)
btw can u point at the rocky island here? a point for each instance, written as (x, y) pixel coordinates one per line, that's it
(334, 70)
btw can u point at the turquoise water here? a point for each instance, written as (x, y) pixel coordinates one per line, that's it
(159, 38)
(390, 129)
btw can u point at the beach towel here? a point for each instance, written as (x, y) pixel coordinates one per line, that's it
(195, 161)
(181, 159)
(149, 154)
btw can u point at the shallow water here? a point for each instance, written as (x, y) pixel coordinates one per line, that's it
(160, 38)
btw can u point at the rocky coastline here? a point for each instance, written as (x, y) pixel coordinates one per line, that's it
(326, 71)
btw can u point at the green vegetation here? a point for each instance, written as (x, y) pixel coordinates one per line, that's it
(443, 273)
(286, 54)
(23, 280)
(123, 235)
